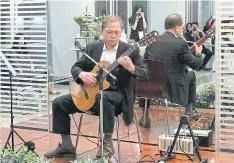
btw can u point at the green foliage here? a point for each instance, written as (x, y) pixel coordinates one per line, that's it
(89, 160)
(89, 26)
(22, 156)
(79, 20)
(206, 96)
(25, 156)
(99, 19)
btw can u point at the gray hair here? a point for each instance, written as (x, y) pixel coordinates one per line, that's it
(173, 21)
(110, 19)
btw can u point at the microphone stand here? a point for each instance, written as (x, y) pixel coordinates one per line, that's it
(100, 79)
(12, 73)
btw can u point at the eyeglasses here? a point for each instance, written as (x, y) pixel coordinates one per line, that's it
(110, 33)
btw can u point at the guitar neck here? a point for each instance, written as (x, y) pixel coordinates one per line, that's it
(200, 42)
(115, 64)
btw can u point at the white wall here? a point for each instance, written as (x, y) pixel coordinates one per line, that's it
(206, 11)
(63, 28)
(159, 10)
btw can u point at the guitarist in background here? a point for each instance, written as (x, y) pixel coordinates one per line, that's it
(118, 98)
(179, 84)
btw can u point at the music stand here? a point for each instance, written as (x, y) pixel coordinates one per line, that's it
(12, 73)
(100, 79)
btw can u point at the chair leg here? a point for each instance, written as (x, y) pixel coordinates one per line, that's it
(118, 141)
(98, 139)
(138, 133)
(129, 129)
(146, 101)
(158, 105)
(78, 132)
(168, 127)
(179, 110)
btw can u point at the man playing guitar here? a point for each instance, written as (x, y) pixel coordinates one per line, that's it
(117, 98)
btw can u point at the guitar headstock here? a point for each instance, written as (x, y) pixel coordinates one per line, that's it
(149, 39)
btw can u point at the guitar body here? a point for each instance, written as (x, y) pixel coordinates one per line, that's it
(85, 100)
(84, 96)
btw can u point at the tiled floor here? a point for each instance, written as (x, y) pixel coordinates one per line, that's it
(129, 151)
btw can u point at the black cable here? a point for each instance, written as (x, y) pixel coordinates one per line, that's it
(141, 160)
(89, 139)
(163, 155)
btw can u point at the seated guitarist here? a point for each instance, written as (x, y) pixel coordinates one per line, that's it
(179, 84)
(118, 98)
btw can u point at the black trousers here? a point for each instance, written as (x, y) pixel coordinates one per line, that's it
(191, 80)
(63, 106)
(208, 54)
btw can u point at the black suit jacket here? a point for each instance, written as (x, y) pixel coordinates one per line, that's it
(125, 87)
(175, 52)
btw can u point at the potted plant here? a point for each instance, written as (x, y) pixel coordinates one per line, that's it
(27, 156)
(89, 160)
(90, 26)
(79, 20)
(22, 156)
(206, 96)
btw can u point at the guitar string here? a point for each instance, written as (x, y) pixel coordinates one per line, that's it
(116, 63)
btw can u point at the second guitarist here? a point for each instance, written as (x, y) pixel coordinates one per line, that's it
(179, 84)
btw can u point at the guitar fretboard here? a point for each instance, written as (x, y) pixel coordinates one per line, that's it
(116, 63)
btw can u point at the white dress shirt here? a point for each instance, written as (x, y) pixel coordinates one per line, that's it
(109, 56)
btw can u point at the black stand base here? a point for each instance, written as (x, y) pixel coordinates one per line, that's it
(183, 121)
(11, 135)
(30, 145)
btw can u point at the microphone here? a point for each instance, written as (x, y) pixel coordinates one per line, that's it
(79, 46)
(30, 146)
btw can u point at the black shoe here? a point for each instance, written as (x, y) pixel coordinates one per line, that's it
(206, 69)
(192, 116)
(108, 150)
(199, 68)
(146, 123)
(60, 151)
(196, 112)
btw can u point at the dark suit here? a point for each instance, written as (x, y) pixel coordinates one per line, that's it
(114, 101)
(180, 84)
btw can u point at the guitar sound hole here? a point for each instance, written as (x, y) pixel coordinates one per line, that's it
(85, 93)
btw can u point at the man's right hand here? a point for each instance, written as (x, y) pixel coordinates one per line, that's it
(195, 33)
(88, 78)
(198, 49)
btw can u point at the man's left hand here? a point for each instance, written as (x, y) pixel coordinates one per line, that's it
(126, 62)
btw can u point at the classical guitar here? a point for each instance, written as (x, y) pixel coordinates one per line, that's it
(203, 39)
(84, 96)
